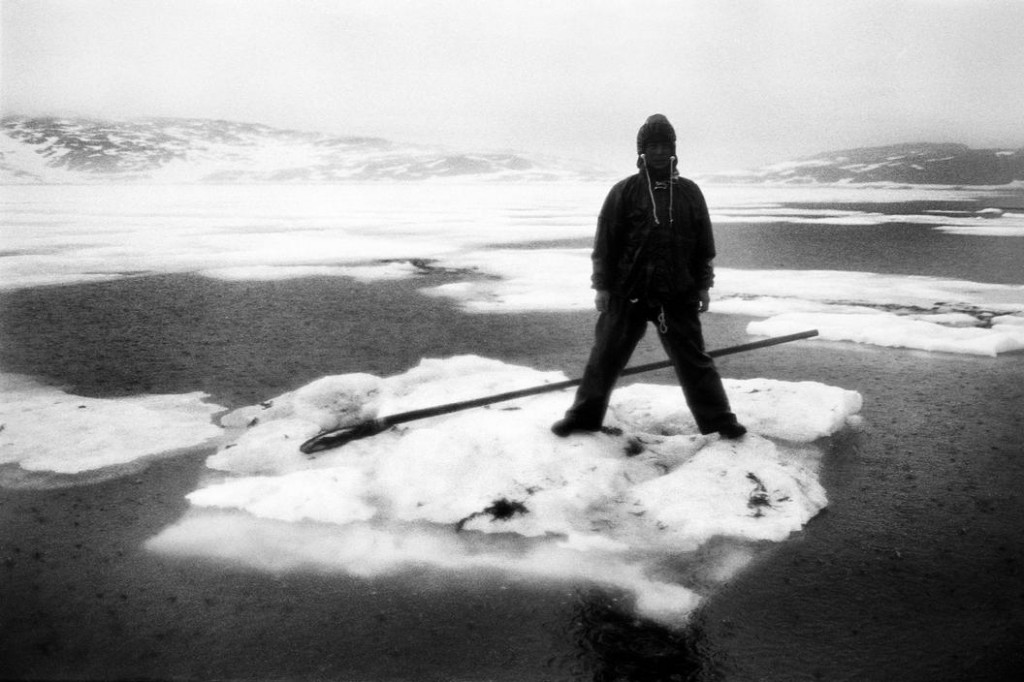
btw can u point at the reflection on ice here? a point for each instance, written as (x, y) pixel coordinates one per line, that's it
(493, 489)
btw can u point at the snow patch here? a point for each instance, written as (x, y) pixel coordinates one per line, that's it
(46, 430)
(607, 507)
(894, 331)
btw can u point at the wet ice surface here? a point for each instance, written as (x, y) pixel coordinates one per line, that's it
(47, 431)
(635, 508)
(650, 507)
(844, 306)
(486, 490)
(478, 233)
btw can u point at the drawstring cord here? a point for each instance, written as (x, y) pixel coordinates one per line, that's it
(662, 323)
(671, 170)
(650, 189)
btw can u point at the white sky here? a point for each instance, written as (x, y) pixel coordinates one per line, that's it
(745, 83)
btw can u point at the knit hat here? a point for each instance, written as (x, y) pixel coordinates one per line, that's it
(656, 129)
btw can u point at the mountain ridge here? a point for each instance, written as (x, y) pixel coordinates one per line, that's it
(70, 150)
(187, 150)
(920, 163)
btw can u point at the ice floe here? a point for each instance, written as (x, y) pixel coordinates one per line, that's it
(46, 430)
(493, 489)
(502, 241)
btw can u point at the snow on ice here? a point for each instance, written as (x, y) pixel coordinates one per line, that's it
(488, 489)
(792, 300)
(47, 430)
(367, 232)
(886, 329)
(493, 489)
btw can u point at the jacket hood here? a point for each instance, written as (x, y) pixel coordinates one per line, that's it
(655, 129)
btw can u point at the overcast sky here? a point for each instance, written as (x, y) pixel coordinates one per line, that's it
(745, 82)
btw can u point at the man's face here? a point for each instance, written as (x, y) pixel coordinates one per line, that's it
(658, 154)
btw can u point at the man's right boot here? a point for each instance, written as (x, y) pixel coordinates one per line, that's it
(566, 426)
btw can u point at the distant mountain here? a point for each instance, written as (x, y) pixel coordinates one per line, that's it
(75, 151)
(176, 150)
(914, 164)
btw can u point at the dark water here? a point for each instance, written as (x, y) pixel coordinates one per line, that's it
(914, 572)
(895, 249)
(898, 248)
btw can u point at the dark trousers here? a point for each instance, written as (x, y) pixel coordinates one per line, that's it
(618, 332)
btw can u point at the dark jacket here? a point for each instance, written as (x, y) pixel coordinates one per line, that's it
(626, 242)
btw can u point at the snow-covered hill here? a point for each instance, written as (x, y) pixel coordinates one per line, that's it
(915, 164)
(178, 150)
(171, 150)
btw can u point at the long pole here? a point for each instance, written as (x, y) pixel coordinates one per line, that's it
(338, 437)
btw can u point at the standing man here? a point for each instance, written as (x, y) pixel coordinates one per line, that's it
(652, 263)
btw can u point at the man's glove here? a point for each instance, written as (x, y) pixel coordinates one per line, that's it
(601, 300)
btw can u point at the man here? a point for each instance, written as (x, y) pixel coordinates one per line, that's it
(652, 262)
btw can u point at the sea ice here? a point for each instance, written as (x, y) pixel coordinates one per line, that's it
(603, 507)
(48, 430)
(886, 329)
(504, 238)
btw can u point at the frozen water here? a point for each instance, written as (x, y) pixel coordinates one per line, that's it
(489, 489)
(582, 509)
(55, 235)
(47, 430)
(606, 507)
(886, 329)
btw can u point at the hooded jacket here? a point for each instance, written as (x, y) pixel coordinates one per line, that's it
(633, 241)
